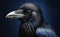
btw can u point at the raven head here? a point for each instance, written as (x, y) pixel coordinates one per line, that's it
(25, 12)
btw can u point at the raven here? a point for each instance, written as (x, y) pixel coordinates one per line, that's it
(32, 19)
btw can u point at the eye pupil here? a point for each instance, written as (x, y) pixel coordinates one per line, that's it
(29, 11)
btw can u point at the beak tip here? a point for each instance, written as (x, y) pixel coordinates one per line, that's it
(5, 16)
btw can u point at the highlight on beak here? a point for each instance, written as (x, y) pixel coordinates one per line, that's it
(13, 14)
(10, 15)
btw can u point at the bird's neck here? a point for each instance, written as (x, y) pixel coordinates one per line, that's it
(34, 21)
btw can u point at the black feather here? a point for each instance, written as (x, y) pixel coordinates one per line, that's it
(28, 28)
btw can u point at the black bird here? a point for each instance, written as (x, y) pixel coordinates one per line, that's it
(31, 17)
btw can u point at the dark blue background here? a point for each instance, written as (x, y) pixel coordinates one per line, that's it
(10, 27)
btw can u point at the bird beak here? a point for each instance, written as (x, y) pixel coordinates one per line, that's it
(14, 14)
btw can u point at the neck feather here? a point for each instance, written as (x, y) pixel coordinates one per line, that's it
(34, 21)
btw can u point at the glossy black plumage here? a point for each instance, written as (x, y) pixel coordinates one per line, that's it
(28, 28)
(31, 17)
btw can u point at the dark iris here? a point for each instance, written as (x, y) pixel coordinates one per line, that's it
(27, 12)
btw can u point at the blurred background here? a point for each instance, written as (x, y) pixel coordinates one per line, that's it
(10, 27)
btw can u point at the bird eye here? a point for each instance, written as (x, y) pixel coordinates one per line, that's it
(29, 11)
